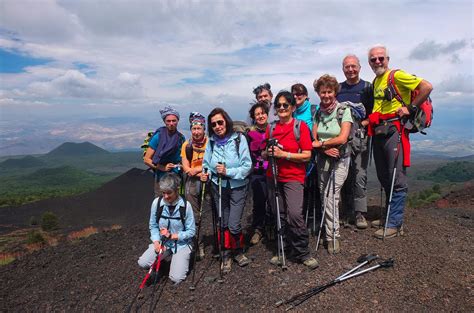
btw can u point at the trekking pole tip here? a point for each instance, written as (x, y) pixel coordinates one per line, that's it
(192, 288)
(387, 263)
(277, 304)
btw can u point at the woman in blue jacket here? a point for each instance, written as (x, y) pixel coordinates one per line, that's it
(170, 230)
(227, 156)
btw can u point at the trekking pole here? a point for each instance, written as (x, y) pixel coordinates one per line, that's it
(333, 174)
(324, 211)
(392, 185)
(280, 245)
(384, 264)
(155, 266)
(221, 228)
(203, 192)
(362, 260)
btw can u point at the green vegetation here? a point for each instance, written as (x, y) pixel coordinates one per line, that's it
(424, 197)
(35, 236)
(48, 183)
(49, 221)
(457, 172)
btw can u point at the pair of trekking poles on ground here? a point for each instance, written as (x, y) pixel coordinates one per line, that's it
(363, 260)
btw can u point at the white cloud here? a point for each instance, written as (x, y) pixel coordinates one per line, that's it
(137, 55)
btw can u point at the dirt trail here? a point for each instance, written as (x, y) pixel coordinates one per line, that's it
(433, 272)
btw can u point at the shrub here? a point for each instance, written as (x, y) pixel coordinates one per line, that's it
(86, 232)
(35, 236)
(49, 221)
(33, 221)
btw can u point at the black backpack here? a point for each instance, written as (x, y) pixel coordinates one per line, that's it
(182, 213)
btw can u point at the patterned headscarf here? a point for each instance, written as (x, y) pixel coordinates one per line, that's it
(196, 118)
(168, 110)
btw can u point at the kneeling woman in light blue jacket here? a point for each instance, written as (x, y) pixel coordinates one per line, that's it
(227, 156)
(172, 231)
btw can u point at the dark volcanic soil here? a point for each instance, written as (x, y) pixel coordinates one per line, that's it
(433, 272)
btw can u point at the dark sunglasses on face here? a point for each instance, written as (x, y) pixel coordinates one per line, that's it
(298, 94)
(280, 105)
(219, 122)
(381, 59)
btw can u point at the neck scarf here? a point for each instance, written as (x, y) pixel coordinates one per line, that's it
(221, 141)
(330, 108)
(168, 143)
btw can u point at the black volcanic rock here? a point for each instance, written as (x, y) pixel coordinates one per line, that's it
(75, 149)
(125, 200)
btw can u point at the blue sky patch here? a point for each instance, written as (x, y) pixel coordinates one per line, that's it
(207, 77)
(12, 61)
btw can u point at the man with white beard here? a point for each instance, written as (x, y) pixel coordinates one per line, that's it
(391, 145)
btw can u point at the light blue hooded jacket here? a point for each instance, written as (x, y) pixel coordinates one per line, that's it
(238, 165)
(175, 226)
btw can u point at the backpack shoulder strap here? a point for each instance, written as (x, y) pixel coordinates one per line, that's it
(182, 213)
(159, 210)
(297, 129)
(393, 87)
(313, 111)
(189, 151)
(272, 128)
(237, 143)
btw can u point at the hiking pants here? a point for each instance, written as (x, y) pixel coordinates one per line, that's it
(296, 237)
(386, 149)
(192, 192)
(258, 183)
(179, 262)
(354, 190)
(326, 187)
(233, 203)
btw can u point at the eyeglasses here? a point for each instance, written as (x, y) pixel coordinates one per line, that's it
(299, 94)
(219, 122)
(381, 59)
(280, 105)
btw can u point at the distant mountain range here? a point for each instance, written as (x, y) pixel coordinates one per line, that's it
(71, 149)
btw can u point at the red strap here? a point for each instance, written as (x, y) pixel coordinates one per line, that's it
(391, 83)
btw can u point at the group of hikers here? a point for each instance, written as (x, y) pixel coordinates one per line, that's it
(275, 157)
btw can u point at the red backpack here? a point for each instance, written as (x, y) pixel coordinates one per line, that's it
(421, 116)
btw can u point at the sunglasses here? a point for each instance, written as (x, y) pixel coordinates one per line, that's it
(381, 59)
(299, 94)
(282, 105)
(219, 122)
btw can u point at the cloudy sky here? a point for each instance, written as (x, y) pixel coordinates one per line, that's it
(100, 70)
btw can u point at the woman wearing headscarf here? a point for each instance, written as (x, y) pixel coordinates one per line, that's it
(164, 149)
(228, 159)
(170, 230)
(331, 130)
(192, 155)
(290, 155)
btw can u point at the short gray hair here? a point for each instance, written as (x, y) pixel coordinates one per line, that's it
(170, 182)
(378, 46)
(350, 56)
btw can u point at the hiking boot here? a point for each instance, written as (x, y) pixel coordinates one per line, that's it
(377, 223)
(334, 247)
(361, 222)
(275, 260)
(390, 233)
(257, 236)
(226, 265)
(242, 260)
(311, 263)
